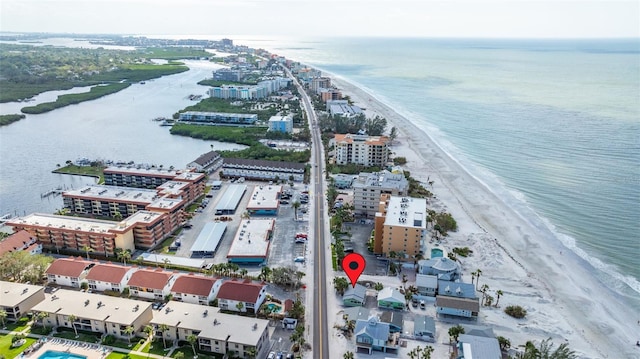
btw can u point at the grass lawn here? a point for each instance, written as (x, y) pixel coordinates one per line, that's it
(115, 355)
(18, 326)
(5, 346)
(124, 344)
(158, 348)
(94, 171)
(188, 353)
(83, 337)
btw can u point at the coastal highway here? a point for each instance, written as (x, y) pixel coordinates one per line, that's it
(320, 341)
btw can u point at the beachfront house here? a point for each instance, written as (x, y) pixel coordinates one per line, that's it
(17, 299)
(372, 335)
(390, 298)
(457, 299)
(424, 328)
(471, 346)
(354, 296)
(68, 272)
(427, 284)
(152, 284)
(94, 312)
(241, 296)
(443, 267)
(195, 289)
(109, 276)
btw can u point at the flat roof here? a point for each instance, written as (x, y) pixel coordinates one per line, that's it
(211, 323)
(209, 237)
(231, 197)
(172, 187)
(142, 171)
(264, 197)
(143, 217)
(12, 294)
(252, 239)
(85, 306)
(407, 212)
(120, 194)
(66, 222)
(166, 203)
(383, 180)
(189, 176)
(179, 261)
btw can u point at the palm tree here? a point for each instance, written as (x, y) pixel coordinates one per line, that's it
(148, 330)
(243, 272)
(163, 329)
(455, 331)
(3, 316)
(124, 255)
(41, 316)
(295, 206)
(478, 273)
(240, 306)
(252, 352)
(166, 261)
(498, 295)
(192, 339)
(87, 249)
(473, 276)
(348, 355)
(545, 351)
(504, 343)
(72, 319)
(265, 273)
(129, 331)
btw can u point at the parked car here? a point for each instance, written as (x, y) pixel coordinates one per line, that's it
(300, 240)
(301, 235)
(271, 355)
(423, 305)
(284, 201)
(414, 302)
(299, 259)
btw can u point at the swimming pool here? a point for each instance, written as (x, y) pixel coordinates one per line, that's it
(52, 354)
(275, 306)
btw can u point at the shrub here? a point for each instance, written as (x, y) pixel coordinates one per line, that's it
(108, 339)
(463, 252)
(516, 311)
(400, 160)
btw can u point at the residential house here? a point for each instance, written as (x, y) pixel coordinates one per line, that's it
(460, 307)
(109, 276)
(219, 333)
(152, 284)
(391, 298)
(20, 241)
(342, 181)
(241, 296)
(427, 284)
(94, 312)
(444, 268)
(195, 289)
(354, 296)
(456, 289)
(478, 330)
(17, 299)
(356, 313)
(424, 328)
(68, 272)
(471, 346)
(372, 335)
(394, 319)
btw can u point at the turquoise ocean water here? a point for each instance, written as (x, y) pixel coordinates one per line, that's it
(553, 126)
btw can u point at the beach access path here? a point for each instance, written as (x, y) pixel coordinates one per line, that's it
(517, 255)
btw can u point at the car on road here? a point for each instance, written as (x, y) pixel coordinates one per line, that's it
(299, 259)
(271, 355)
(279, 356)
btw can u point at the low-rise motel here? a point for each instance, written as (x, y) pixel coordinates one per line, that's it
(252, 241)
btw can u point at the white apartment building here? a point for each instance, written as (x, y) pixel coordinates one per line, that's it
(361, 149)
(368, 187)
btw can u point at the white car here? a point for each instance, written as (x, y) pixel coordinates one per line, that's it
(271, 355)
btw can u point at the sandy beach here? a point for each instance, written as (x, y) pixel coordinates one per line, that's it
(517, 255)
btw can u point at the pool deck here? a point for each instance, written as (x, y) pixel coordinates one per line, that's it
(91, 351)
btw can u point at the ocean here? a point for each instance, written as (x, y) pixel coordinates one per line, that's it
(551, 126)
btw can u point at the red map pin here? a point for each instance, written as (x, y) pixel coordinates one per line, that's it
(353, 264)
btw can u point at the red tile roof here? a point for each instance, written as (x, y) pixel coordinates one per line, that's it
(16, 241)
(192, 284)
(150, 278)
(241, 292)
(68, 267)
(107, 272)
(288, 305)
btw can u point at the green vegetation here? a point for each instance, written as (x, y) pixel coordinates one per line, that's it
(351, 169)
(21, 266)
(260, 152)
(399, 160)
(72, 99)
(187, 353)
(95, 170)
(174, 53)
(242, 135)
(217, 83)
(26, 71)
(444, 223)
(5, 346)
(375, 126)
(117, 355)
(462, 252)
(416, 189)
(18, 326)
(83, 336)
(225, 106)
(516, 311)
(9, 119)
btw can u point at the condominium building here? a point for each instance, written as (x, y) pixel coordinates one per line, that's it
(262, 169)
(319, 83)
(330, 94)
(342, 108)
(130, 176)
(56, 232)
(282, 124)
(361, 149)
(400, 226)
(218, 118)
(207, 162)
(253, 92)
(368, 187)
(17, 299)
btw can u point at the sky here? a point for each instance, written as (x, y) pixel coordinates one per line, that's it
(328, 18)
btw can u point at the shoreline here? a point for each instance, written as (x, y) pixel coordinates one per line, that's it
(556, 287)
